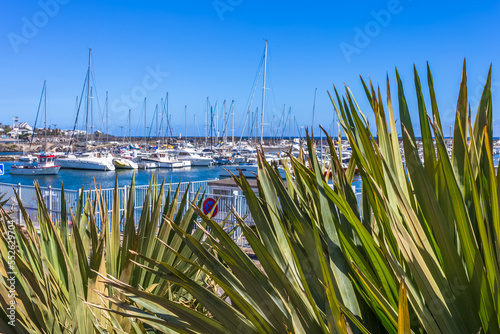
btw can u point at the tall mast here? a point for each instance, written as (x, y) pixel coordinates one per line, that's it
(224, 131)
(250, 123)
(161, 122)
(168, 122)
(45, 107)
(91, 116)
(88, 100)
(206, 123)
(263, 97)
(289, 123)
(130, 126)
(232, 127)
(107, 138)
(145, 126)
(284, 124)
(217, 121)
(186, 121)
(156, 112)
(77, 123)
(194, 125)
(211, 126)
(257, 125)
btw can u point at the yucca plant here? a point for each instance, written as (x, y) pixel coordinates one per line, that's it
(58, 287)
(418, 253)
(436, 221)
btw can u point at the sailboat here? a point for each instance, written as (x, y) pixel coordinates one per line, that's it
(100, 161)
(45, 164)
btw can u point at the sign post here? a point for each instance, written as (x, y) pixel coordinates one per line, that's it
(208, 205)
(2, 169)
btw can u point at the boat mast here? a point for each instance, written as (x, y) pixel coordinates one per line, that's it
(206, 123)
(232, 127)
(130, 126)
(263, 97)
(217, 121)
(145, 127)
(156, 112)
(162, 106)
(186, 121)
(107, 136)
(88, 100)
(289, 123)
(168, 122)
(284, 123)
(45, 107)
(77, 123)
(91, 116)
(224, 119)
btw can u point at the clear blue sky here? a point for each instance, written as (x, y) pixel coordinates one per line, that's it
(209, 50)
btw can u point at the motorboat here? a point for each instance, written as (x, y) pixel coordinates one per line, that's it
(45, 165)
(102, 161)
(165, 160)
(188, 154)
(123, 163)
(249, 171)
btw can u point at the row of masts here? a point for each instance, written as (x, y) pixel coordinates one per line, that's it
(211, 125)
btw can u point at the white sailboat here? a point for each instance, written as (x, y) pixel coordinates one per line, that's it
(99, 161)
(190, 155)
(45, 164)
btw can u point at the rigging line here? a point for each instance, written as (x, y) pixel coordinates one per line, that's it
(36, 119)
(78, 111)
(251, 100)
(152, 121)
(269, 74)
(101, 114)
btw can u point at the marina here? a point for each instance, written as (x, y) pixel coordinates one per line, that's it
(215, 167)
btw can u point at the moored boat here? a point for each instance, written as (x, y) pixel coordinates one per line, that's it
(45, 165)
(101, 161)
(122, 163)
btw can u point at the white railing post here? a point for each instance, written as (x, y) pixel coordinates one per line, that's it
(50, 201)
(20, 215)
(235, 203)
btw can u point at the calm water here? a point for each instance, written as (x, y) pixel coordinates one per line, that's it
(75, 179)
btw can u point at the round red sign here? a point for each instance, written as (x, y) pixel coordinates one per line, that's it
(207, 206)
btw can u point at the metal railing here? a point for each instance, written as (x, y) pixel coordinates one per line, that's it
(52, 200)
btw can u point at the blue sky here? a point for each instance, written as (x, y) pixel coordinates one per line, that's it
(200, 49)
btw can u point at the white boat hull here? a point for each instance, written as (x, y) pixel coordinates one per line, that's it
(147, 165)
(201, 162)
(171, 164)
(165, 164)
(24, 170)
(249, 171)
(86, 164)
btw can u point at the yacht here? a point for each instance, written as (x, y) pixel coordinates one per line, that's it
(188, 154)
(102, 161)
(45, 165)
(249, 171)
(165, 160)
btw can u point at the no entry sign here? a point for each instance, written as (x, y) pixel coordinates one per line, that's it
(208, 204)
